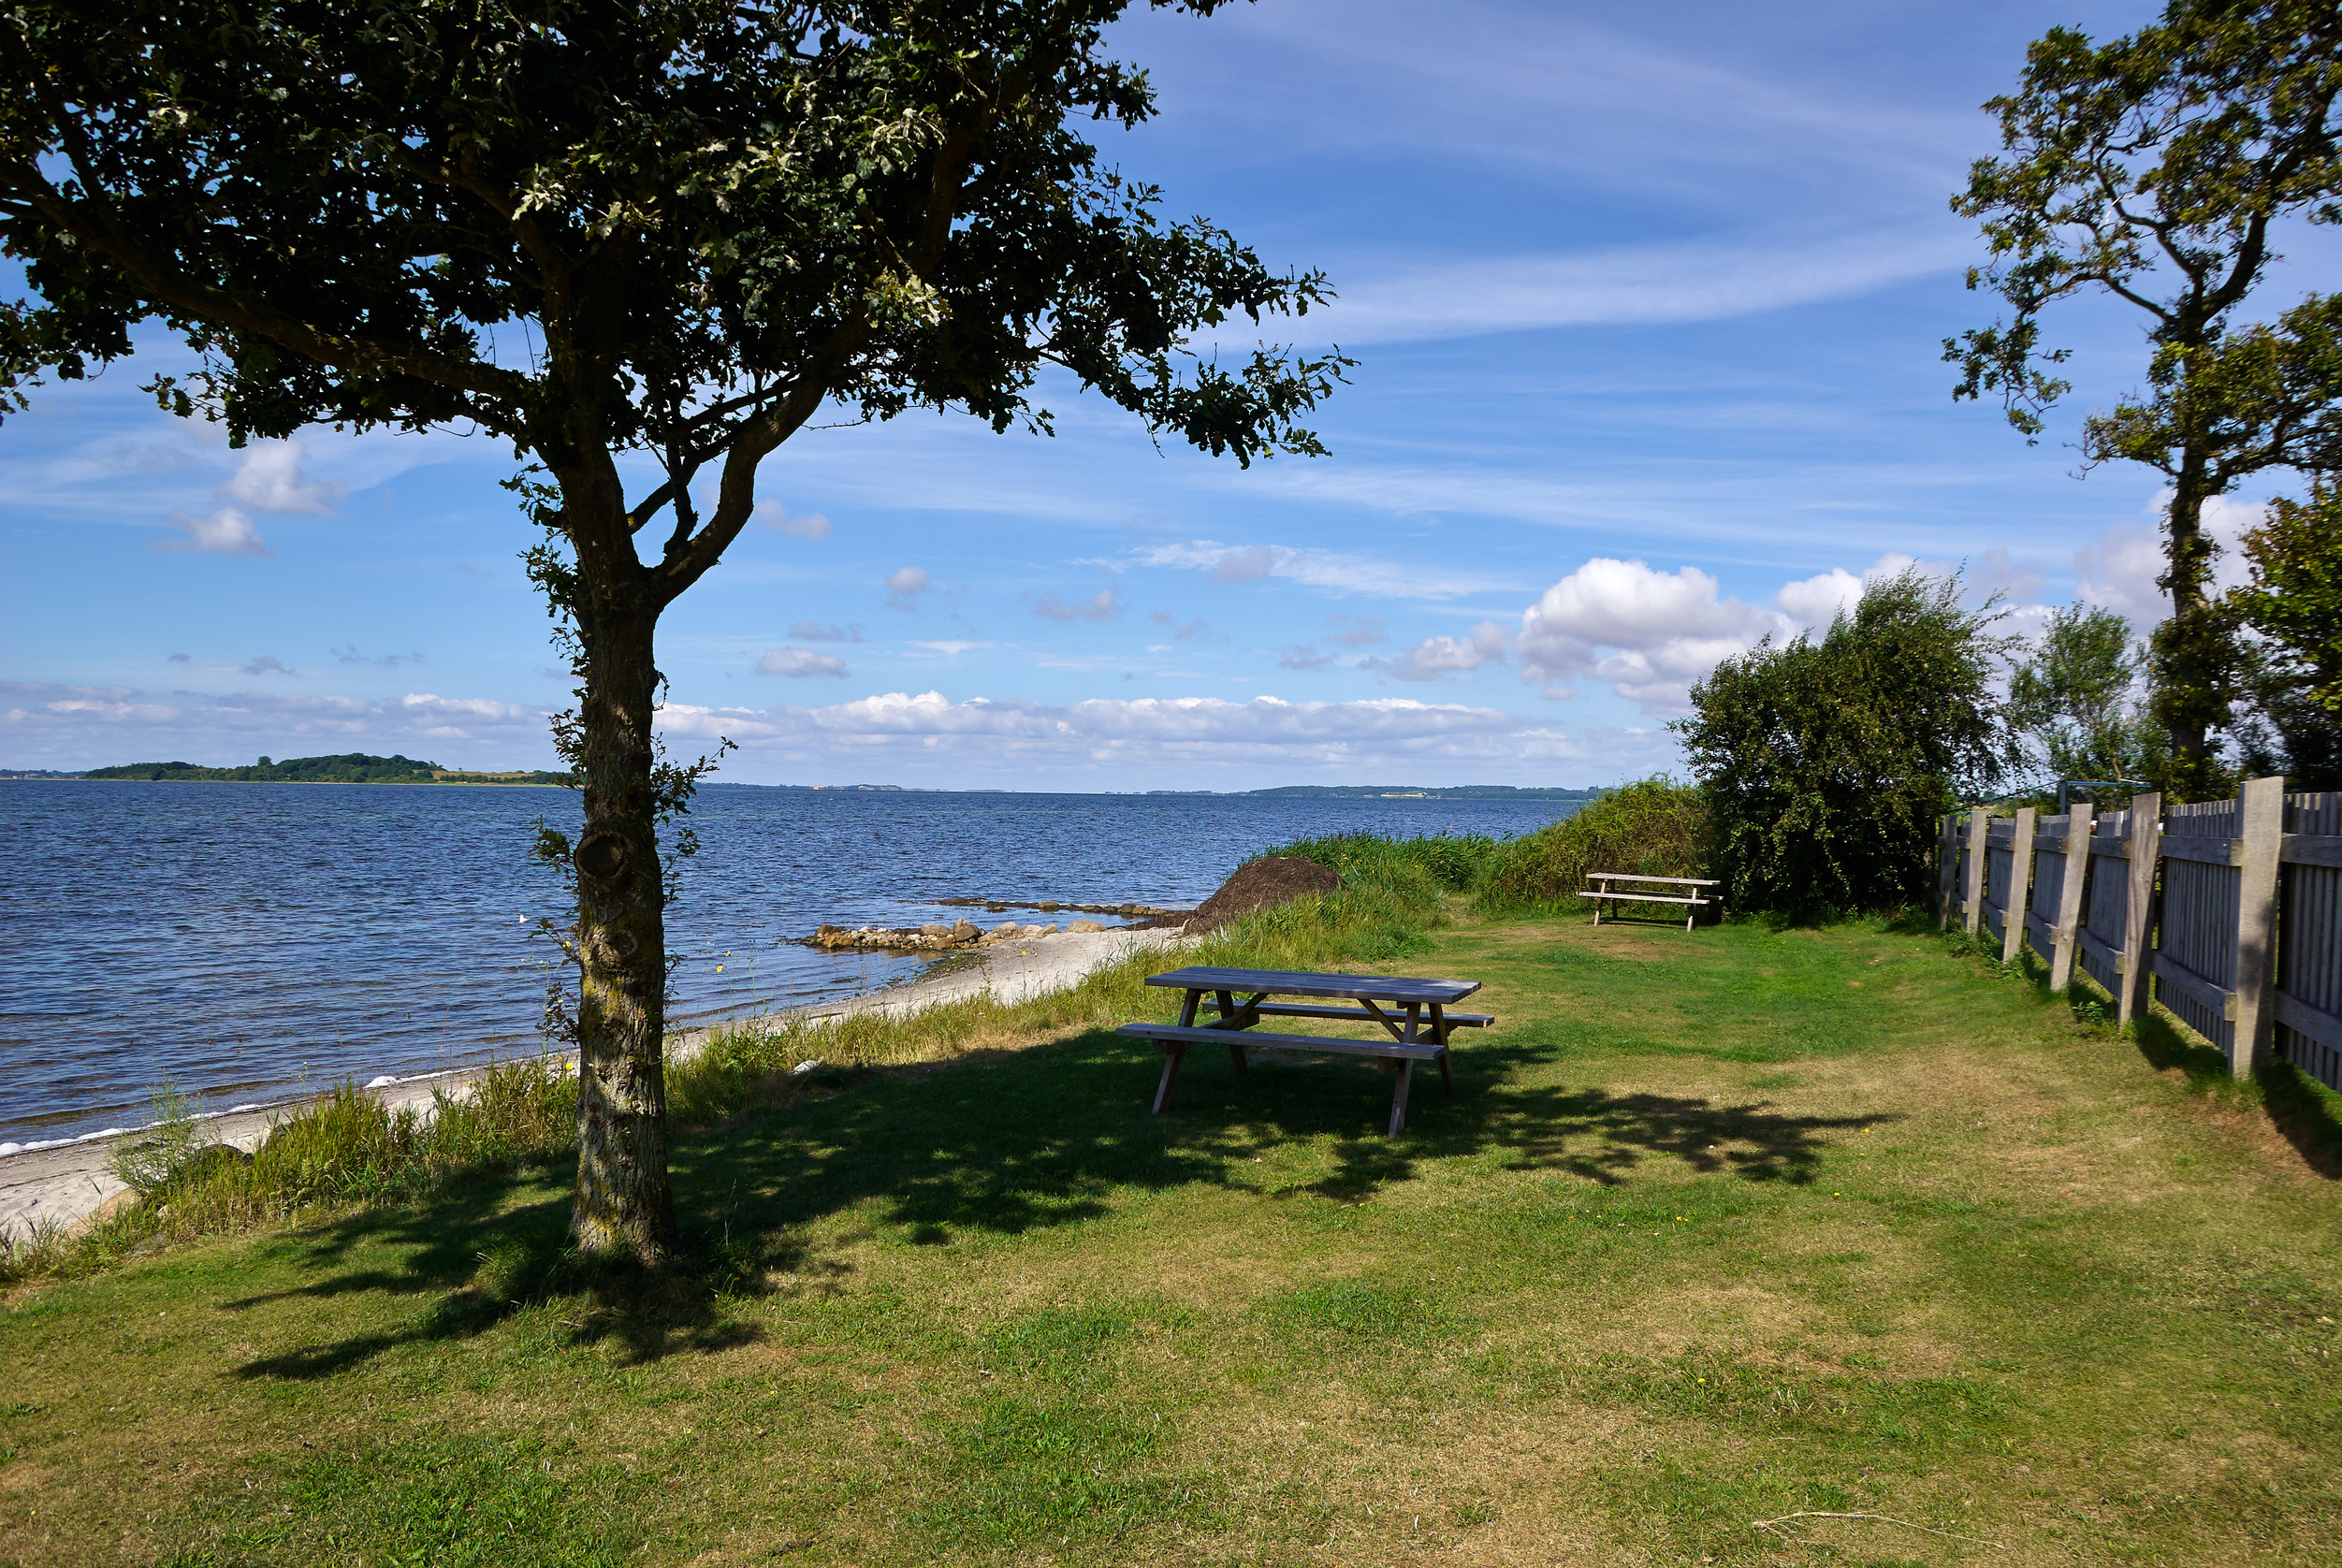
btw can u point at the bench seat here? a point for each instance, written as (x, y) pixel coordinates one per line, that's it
(1640, 897)
(1206, 1034)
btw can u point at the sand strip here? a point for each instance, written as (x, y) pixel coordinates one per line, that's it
(58, 1186)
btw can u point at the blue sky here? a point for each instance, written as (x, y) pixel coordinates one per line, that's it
(1647, 302)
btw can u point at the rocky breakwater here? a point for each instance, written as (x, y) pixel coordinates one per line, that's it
(934, 936)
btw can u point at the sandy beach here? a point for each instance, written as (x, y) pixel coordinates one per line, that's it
(61, 1186)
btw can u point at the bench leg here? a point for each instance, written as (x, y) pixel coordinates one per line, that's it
(1399, 1097)
(1173, 1052)
(1236, 1053)
(1447, 1079)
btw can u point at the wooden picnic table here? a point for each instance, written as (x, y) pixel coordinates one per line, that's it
(1609, 889)
(1418, 1021)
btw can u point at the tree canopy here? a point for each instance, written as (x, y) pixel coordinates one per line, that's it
(676, 228)
(2161, 167)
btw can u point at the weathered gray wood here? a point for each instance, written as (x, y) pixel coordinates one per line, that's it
(2146, 833)
(2178, 977)
(1947, 859)
(1359, 1015)
(2259, 836)
(1973, 892)
(1641, 898)
(1638, 876)
(2110, 849)
(2117, 962)
(1292, 982)
(1419, 1051)
(2204, 851)
(2019, 892)
(2311, 849)
(1173, 1051)
(2316, 1023)
(2075, 869)
(1399, 1099)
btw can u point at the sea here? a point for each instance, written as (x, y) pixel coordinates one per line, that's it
(241, 944)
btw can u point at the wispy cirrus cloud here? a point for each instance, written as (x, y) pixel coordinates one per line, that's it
(1329, 571)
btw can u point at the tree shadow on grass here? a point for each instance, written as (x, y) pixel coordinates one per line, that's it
(1007, 1145)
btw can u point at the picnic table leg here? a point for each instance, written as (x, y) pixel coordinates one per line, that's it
(1173, 1051)
(1399, 1097)
(1236, 1053)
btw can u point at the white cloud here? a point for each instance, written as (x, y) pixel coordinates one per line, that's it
(1103, 606)
(810, 525)
(1437, 657)
(270, 664)
(2119, 572)
(815, 632)
(905, 586)
(1139, 735)
(1814, 602)
(1327, 569)
(1649, 634)
(78, 726)
(224, 532)
(270, 479)
(1702, 280)
(798, 663)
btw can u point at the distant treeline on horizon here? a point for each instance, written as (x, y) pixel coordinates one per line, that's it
(358, 767)
(354, 767)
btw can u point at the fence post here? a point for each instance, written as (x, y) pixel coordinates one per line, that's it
(1947, 858)
(2259, 836)
(1979, 823)
(2077, 871)
(2018, 900)
(2145, 846)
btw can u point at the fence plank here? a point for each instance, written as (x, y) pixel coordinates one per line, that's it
(2260, 831)
(2308, 1001)
(2197, 931)
(1973, 885)
(2146, 833)
(2016, 893)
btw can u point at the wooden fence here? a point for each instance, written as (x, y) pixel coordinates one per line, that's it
(2230, 910)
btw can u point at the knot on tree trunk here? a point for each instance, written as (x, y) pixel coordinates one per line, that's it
(602, 855)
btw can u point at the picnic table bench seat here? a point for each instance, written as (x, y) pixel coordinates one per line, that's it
(1241, 999)
(1607, 891)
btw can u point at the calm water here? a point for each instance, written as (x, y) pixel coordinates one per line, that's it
(244, 940)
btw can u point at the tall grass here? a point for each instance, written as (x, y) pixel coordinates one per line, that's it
(349, 1148)
(1654, 827)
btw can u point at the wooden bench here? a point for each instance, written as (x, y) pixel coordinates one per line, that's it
(1607, 889)
(1412, 1036)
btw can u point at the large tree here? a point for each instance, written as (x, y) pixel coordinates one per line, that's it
(2159, 168)
(672, 229)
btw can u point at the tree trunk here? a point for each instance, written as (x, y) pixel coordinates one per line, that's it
(2188, 698)
(623, 1200)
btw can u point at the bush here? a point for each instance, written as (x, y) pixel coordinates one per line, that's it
(1826, 764)
(1654, 827)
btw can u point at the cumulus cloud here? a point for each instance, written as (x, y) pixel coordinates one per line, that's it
(1138, 734)
(808, 525)
(1326, 570)
(799, 661)
(1437, 657)
(80, 726)
(224, 532)
(1303, 656)
(271, 479)
(905, 586)
(270, 664)
(815, 632)
(1649, 634)
(1103, 605)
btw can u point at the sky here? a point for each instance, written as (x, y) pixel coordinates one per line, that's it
(1647, 304)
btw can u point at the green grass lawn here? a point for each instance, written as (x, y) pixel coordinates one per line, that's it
(1716, 1230)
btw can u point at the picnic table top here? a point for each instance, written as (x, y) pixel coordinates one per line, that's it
(1294, 982)
(1638, 876)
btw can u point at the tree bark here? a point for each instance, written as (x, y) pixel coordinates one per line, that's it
(623, 1200)
(2188, 698)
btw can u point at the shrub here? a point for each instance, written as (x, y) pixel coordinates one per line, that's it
(1654, 827)
(1827, 763)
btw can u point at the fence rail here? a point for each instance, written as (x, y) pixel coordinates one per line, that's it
(2228, 912)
